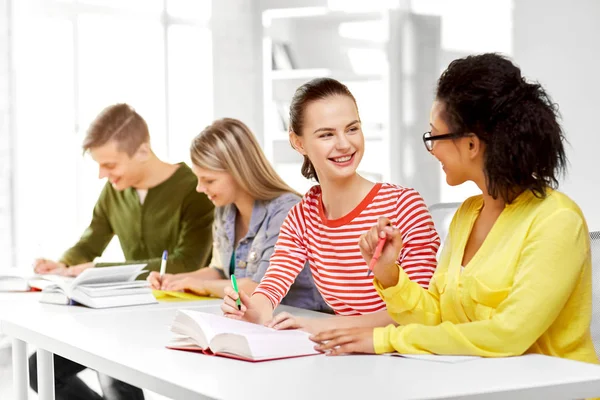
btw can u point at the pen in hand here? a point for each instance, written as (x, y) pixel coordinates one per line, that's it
(235, 287)
(376, 254)
(163, 264)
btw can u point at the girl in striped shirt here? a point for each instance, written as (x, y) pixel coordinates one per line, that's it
(324, 228)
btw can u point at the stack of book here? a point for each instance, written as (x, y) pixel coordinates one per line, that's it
(102, 288)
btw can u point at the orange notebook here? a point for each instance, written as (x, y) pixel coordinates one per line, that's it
(217, 335)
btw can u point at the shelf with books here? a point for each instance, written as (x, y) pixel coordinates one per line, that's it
(373, 53)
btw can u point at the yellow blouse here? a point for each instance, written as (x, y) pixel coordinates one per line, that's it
(528, 289)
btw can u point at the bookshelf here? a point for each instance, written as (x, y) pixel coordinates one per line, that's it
(373, 54)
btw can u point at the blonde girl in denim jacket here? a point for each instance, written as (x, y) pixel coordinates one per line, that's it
(251, 203)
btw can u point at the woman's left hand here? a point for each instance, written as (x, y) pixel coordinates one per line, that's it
(345, 341)
(187, 284)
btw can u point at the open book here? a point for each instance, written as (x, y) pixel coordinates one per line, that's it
(102, 288)
(18, 280)
(217, 335)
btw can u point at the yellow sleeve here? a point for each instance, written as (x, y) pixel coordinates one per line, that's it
(550, 266)
(408, 302)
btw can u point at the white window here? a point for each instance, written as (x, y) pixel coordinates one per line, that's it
(72, 59)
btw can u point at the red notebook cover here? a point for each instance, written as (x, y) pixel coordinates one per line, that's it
(208, 352)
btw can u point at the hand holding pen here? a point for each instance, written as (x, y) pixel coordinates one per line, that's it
(380, 247)
(238, 305)
(238, 302)
(156, 278)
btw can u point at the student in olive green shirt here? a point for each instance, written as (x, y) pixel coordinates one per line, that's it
(151, 206)
(173, 217)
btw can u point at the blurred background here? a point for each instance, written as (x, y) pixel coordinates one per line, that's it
(183, 63)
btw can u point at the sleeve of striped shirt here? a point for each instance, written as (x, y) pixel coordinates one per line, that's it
(287, 260)
(419, 237)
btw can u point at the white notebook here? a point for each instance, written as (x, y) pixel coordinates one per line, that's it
(19, 280)
(13, 281)
(217, 335)
(102, 288)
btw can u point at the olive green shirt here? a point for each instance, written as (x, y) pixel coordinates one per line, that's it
(173, 217)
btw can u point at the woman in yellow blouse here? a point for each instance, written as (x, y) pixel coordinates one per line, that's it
(514, 276)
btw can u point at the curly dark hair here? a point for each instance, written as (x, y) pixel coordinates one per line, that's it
(517, 120)
(316, 89)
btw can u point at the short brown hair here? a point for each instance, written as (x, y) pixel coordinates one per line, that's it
(119, 122)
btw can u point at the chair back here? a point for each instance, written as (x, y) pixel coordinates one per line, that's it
(442, 214)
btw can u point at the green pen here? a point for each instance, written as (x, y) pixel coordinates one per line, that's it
(234, 283)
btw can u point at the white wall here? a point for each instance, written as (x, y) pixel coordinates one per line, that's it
(5, 142)
(557, 42)
(237, 34)
(237, 62)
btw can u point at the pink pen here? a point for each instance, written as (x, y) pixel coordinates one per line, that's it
(376, 254)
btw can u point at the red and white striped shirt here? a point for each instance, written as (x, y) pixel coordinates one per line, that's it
(331, 247)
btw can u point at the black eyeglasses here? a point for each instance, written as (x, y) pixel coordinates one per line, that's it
(428, 139)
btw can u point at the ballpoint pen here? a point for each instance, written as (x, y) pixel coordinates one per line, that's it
(163, 263)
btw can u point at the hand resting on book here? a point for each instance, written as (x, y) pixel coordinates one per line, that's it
(44, 266)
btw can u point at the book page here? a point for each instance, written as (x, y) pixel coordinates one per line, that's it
(43, 281)
(185, 324)
(127, 289)
(121, 273)
(260, 342)
(13, 283)
(216, 324)
(104, 275)
(15, 279)
(280, 344)
(56, 282)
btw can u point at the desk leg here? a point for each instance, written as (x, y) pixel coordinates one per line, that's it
(45, 362)
(20, 369)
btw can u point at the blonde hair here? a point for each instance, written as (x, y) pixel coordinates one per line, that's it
(119, 122)
(229, 146)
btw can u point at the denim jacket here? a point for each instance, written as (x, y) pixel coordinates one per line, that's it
(254, 250)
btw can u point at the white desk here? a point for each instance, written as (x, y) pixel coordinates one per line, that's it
(128, 344)
(27, 305)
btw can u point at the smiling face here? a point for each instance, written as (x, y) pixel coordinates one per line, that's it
(331, 137)
(123, 171)
(461, 158)
(219, 187)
